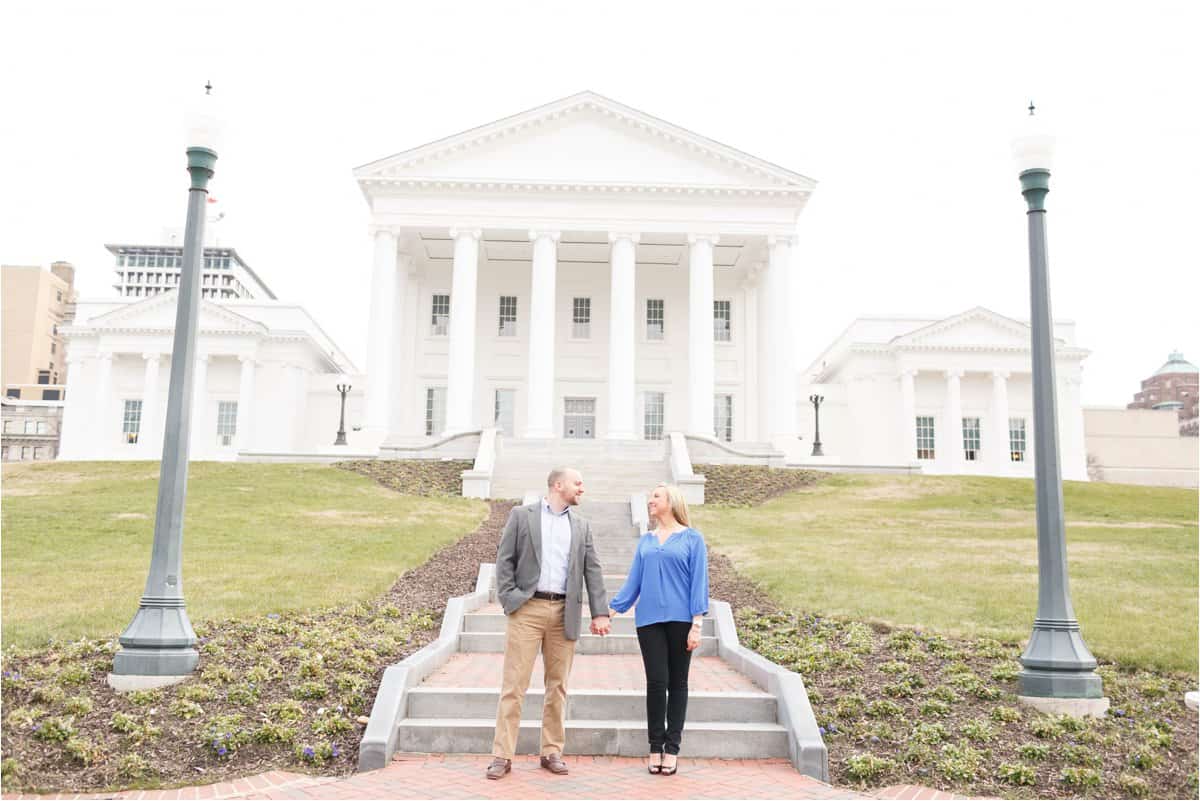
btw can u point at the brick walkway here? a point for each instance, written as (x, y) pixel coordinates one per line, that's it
(453, 777)
(589, 672)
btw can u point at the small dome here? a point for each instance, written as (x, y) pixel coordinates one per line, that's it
(1177, 364)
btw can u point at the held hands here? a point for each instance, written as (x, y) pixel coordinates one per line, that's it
(601, 625)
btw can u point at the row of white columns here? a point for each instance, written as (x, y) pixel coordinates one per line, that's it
(388, 289)
(948, 431)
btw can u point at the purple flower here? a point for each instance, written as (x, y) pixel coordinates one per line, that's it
(222, 751)
(273, 616)
(1118, 713)
(336, 750)
(824, 731)
(833, 727)
(308, 752)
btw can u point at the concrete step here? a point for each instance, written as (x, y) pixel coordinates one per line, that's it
(496, 622)
(459, 702)
(478, 642)
(707, 740)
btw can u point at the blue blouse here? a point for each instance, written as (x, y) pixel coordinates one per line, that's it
(669, 582)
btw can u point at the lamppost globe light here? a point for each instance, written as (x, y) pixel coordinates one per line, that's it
(204, 122)
(1033, 144)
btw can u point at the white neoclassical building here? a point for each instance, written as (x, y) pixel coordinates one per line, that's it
(581, 270)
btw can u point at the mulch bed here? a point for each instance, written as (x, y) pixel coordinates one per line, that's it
(425, 477)
(266, 690)
(750, 485)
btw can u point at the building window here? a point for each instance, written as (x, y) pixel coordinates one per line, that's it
(54, 347)
(13, 392)
(723, 417)
(10, 426)
(652, 417)
(39, 453)
(42, 427)
(505, 401)
(60, 301)
(226, 422)
(925, 435)
(132, 422)
(441, 316)
(435, 410)
(970, 429)
(1016, 438)
(722, 317)
(43, 377)
(654, 319)
(30, 426)
(581, 319)
(26, 452)
(4, 453)
(508, 315)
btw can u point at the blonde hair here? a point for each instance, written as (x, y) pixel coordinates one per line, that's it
(678, 505)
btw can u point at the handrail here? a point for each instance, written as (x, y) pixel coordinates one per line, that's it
(434, 444)
(730, 450)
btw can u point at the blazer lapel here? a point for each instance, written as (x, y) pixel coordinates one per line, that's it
(535, 532)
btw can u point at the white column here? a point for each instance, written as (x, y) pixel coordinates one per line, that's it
(950, 438)
(202, 435)
(749, 347)
(539, 414)
(245, 411)
(701, 378)
(782, 341)
(380, 334)
(106, 429)
(150, 436)
(997, 440)
(460, 383)
(401, 358)
(74, 428)
(908, 416)
(620, 336)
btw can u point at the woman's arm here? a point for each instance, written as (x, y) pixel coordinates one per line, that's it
(633, 583)
(698, 577)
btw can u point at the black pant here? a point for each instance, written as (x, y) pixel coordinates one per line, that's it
(666, 659)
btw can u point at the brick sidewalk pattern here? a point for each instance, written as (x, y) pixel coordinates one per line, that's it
(589, 672)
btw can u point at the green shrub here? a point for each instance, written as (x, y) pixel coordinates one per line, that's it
(1142, 758)
(934, 709)
(1016, 773)
(186, 709)
(945, 695)
(868, 767)
(259, 674)
(895, 668)
(1081, 755)
(286, 711)
(318, 754)
(82, 750)
(1036, 751)
(959, 763)
(73, 674)
(990, 649)
(901, 689)
(848, 681)
(850, 706)
(1045, 728)
(23, 717)
(53, 730)
(884, 709)
(225, 734)
(929, 733)
(332, 724)
(1154, 688)
(312, 668)
(859, 638)
(1071, 725)
(956, 668)
(218, 674)
(348, 682)
(1005, 672)
(979, 730)
(10, 771)
(274, 733)
(123, 723)
(1080, 777)
(1156, 737)
(915, 754)
(47, 694)
(78, 705)
(144, 697)
(1005, 714)
(1133, 786)
(243, 695)
(197, 693)
(133, 766)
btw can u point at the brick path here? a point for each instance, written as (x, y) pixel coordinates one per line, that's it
(589, 672)
(453, 777)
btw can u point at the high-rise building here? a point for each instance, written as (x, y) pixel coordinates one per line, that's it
(145, 270)
(36, 303)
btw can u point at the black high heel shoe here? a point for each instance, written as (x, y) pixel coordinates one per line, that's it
(655, 769)
(665, 771)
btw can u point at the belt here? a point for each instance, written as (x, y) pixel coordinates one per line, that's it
(550, 596)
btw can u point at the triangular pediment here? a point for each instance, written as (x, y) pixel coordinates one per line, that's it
(158, 313)
(583, 139)
(976, 328)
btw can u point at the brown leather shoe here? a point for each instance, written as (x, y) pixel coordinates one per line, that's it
(498, 768)
(554, 763)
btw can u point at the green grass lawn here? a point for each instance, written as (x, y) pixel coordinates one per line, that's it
(959, 555)
(257, 538)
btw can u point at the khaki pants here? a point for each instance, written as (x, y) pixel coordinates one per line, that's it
(537, 622)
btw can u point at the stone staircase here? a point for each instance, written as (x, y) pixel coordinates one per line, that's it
(611, 470)
(453, 709)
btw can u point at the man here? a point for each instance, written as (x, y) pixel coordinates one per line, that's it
(545, 558)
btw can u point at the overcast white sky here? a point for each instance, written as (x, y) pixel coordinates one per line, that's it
(902, 111)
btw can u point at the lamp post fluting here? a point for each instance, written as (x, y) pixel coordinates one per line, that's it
(160, 641)
(341, 434)
(816, 401)
(1056, 663)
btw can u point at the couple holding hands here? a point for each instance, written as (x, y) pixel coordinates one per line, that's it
(545, 560)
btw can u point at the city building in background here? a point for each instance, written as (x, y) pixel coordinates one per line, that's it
(1174, 386)
(37, 303)
(31, 430)
(148, 270)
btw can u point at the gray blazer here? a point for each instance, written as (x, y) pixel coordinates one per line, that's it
(519, 565)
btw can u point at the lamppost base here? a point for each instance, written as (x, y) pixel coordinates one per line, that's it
(1073, 707)
(125, 684)
(341, 439)
(159, 641)
(817, 450)
(1060, 684)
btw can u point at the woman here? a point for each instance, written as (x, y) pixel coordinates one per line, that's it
(669, 581)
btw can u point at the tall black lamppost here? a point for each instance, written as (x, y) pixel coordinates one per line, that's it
(341, 435)
(816, 402)
(159, 642)
(1056, 664)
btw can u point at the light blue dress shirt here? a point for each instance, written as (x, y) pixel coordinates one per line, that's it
(668, 581)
